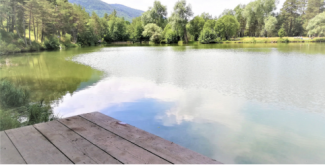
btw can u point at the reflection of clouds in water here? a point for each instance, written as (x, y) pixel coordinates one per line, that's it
(201, 105)
(114, 91)
(285, 79)
(230, 133)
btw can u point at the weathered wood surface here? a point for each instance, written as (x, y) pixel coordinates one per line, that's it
(75, 147)
(159, 146)
(8, 152)
(35, 148)
(116, 146)
(91, 138)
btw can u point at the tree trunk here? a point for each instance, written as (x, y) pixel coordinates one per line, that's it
(30, 17)
(185, 36)
(34, 28)
(11, 29)
(37, 31)
(24, 29)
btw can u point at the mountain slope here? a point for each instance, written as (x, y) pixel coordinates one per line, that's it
(101, 8)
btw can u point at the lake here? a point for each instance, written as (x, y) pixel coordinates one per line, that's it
(236, 103)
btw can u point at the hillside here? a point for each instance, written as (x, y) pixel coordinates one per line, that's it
(101, 8)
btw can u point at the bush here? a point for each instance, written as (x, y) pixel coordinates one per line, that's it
(11, 96)
(38, 113)
(52, 43)
(8, 120)
(207, 36)
(171, 37)
(282, 32)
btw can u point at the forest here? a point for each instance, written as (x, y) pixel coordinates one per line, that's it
(27, 25)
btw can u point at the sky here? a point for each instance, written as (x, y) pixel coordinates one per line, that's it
(214, 7)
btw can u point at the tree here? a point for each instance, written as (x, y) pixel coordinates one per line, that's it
(270, 25)
(136, 29)
(207, 36)
(181, 16)
(156, 15)
(206, 16)
(255, 13)
(154, 32)
(282, 32)
(170, 35)
(240, 18)
(227, 26)
(316, 26)
(195, 26)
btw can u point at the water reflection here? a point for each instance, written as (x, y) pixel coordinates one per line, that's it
(236, 103)
(229, 129)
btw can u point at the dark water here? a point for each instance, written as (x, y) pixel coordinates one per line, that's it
(236, 103)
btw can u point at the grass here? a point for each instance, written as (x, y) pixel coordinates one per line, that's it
(275, 39)
(15, 106)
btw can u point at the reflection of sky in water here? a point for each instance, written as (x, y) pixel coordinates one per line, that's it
(229, 129)
(234, 105)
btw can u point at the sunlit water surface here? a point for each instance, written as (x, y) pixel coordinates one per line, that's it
(262, 103)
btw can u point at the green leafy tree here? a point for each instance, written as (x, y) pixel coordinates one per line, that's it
(316, 26)
(170, 35)
(154, 32)
(270, 25)
(240, 18)
(282, 32)
(195, 26)
(227, 26)
(157, 14)
(180, 17)
(207, 35)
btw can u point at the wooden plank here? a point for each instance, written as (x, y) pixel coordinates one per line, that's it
(35, 148)
(8, 152)
(75, 147)
(116, 146)
(159, 146)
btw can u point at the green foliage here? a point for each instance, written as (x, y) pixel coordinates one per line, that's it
(154, 32)
(207, 36)
(38, 113)
(227, 26)
(316, 26)
(52, 43)
(195, 26)
(180, 17)
(170, 35)
(282, 32)
(8, 120)
(270, 24)
(12, 96)
(157, 15)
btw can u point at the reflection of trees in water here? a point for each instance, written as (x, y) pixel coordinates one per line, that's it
(48, 78)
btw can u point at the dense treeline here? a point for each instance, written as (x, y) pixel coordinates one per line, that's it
(49, 24)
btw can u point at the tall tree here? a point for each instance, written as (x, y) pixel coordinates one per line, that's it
(227, 26)
(316, 26)
(180, 17)
(195, 26)
(157, 15)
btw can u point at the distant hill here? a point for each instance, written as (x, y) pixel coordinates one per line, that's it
(101, 8)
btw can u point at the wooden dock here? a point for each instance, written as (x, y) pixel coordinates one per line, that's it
(91, 138)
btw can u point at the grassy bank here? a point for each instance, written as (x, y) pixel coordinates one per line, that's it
(275, 40)
(16, 109)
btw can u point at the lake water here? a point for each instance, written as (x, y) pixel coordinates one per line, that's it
(236, 103)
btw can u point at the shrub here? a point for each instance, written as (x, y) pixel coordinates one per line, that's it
(52, 43)
(8, 120)
(38, 113)
(11, 96)
(171, 37)
(282, 32)
(207, 36)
